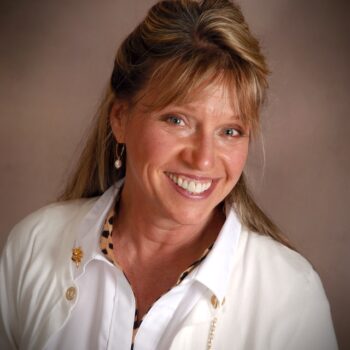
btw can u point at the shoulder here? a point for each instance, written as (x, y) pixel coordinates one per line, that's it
(33, 268)
(54, 220)
(49, 221)
(46, 235)
(280, 275)
(272, 255)
(280, 296)
(62, 212)
(37, 245)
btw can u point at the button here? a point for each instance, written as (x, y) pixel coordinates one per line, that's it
(71, 292)
(223, 301)
(214, 301)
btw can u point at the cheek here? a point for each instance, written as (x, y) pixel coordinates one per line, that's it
(149, 147)
(236, 160)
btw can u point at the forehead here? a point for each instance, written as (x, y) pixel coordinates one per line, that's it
(211, 94)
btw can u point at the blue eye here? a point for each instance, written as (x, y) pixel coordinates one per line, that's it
(173, 119)
(232, 132)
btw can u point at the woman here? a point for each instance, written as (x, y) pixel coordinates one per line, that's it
(156, 243)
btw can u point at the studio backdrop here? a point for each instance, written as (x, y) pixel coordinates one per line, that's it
(55, 61)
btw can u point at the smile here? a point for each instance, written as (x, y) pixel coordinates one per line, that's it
(190, 185)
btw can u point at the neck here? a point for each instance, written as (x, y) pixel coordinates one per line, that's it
(145, 234)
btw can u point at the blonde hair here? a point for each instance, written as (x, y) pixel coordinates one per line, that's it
(180, 45)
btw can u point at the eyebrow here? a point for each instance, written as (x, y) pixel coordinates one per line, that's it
(183, 108)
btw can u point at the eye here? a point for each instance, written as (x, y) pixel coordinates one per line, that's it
(232, 132)
(176, 120)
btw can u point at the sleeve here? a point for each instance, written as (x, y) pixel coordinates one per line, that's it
(314, 329)
(8, 292)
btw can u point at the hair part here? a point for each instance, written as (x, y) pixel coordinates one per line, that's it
(180, 45)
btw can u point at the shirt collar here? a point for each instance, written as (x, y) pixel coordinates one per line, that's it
(215, 271)
(88, 236)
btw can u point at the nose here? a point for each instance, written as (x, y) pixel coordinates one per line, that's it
(200, 152)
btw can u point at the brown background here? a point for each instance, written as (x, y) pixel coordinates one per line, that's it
(55, 60)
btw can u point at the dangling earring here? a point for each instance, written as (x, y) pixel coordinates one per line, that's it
(118, 162)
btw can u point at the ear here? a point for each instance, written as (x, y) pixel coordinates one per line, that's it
(118, 119)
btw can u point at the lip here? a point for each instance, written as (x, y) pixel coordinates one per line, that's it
(196, 196)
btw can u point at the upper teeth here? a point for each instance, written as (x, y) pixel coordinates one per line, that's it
(190, 185)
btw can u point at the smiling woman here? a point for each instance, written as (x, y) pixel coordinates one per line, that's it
(156, 242)
(187, 154)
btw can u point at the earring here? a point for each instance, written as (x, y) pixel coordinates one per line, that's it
(118, 162)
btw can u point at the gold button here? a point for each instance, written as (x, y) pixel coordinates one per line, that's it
(71, 292)
(214, 301)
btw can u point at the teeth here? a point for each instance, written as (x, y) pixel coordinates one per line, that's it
(184, 184)
(190, 185)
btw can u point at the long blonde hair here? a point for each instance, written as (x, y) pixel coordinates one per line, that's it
(178, 46)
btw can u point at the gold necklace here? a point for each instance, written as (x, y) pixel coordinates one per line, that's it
(212, 330)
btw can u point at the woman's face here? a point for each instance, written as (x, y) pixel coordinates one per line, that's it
(183, 160)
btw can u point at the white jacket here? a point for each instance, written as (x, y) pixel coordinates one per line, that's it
(275, 299)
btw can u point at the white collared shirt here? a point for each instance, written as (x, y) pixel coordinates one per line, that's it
(274, 298)
(104, 310)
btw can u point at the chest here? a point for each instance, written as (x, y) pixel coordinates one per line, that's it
(149, 285)
(104, 309)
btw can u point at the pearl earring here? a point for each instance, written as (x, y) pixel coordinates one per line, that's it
(118, 162)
